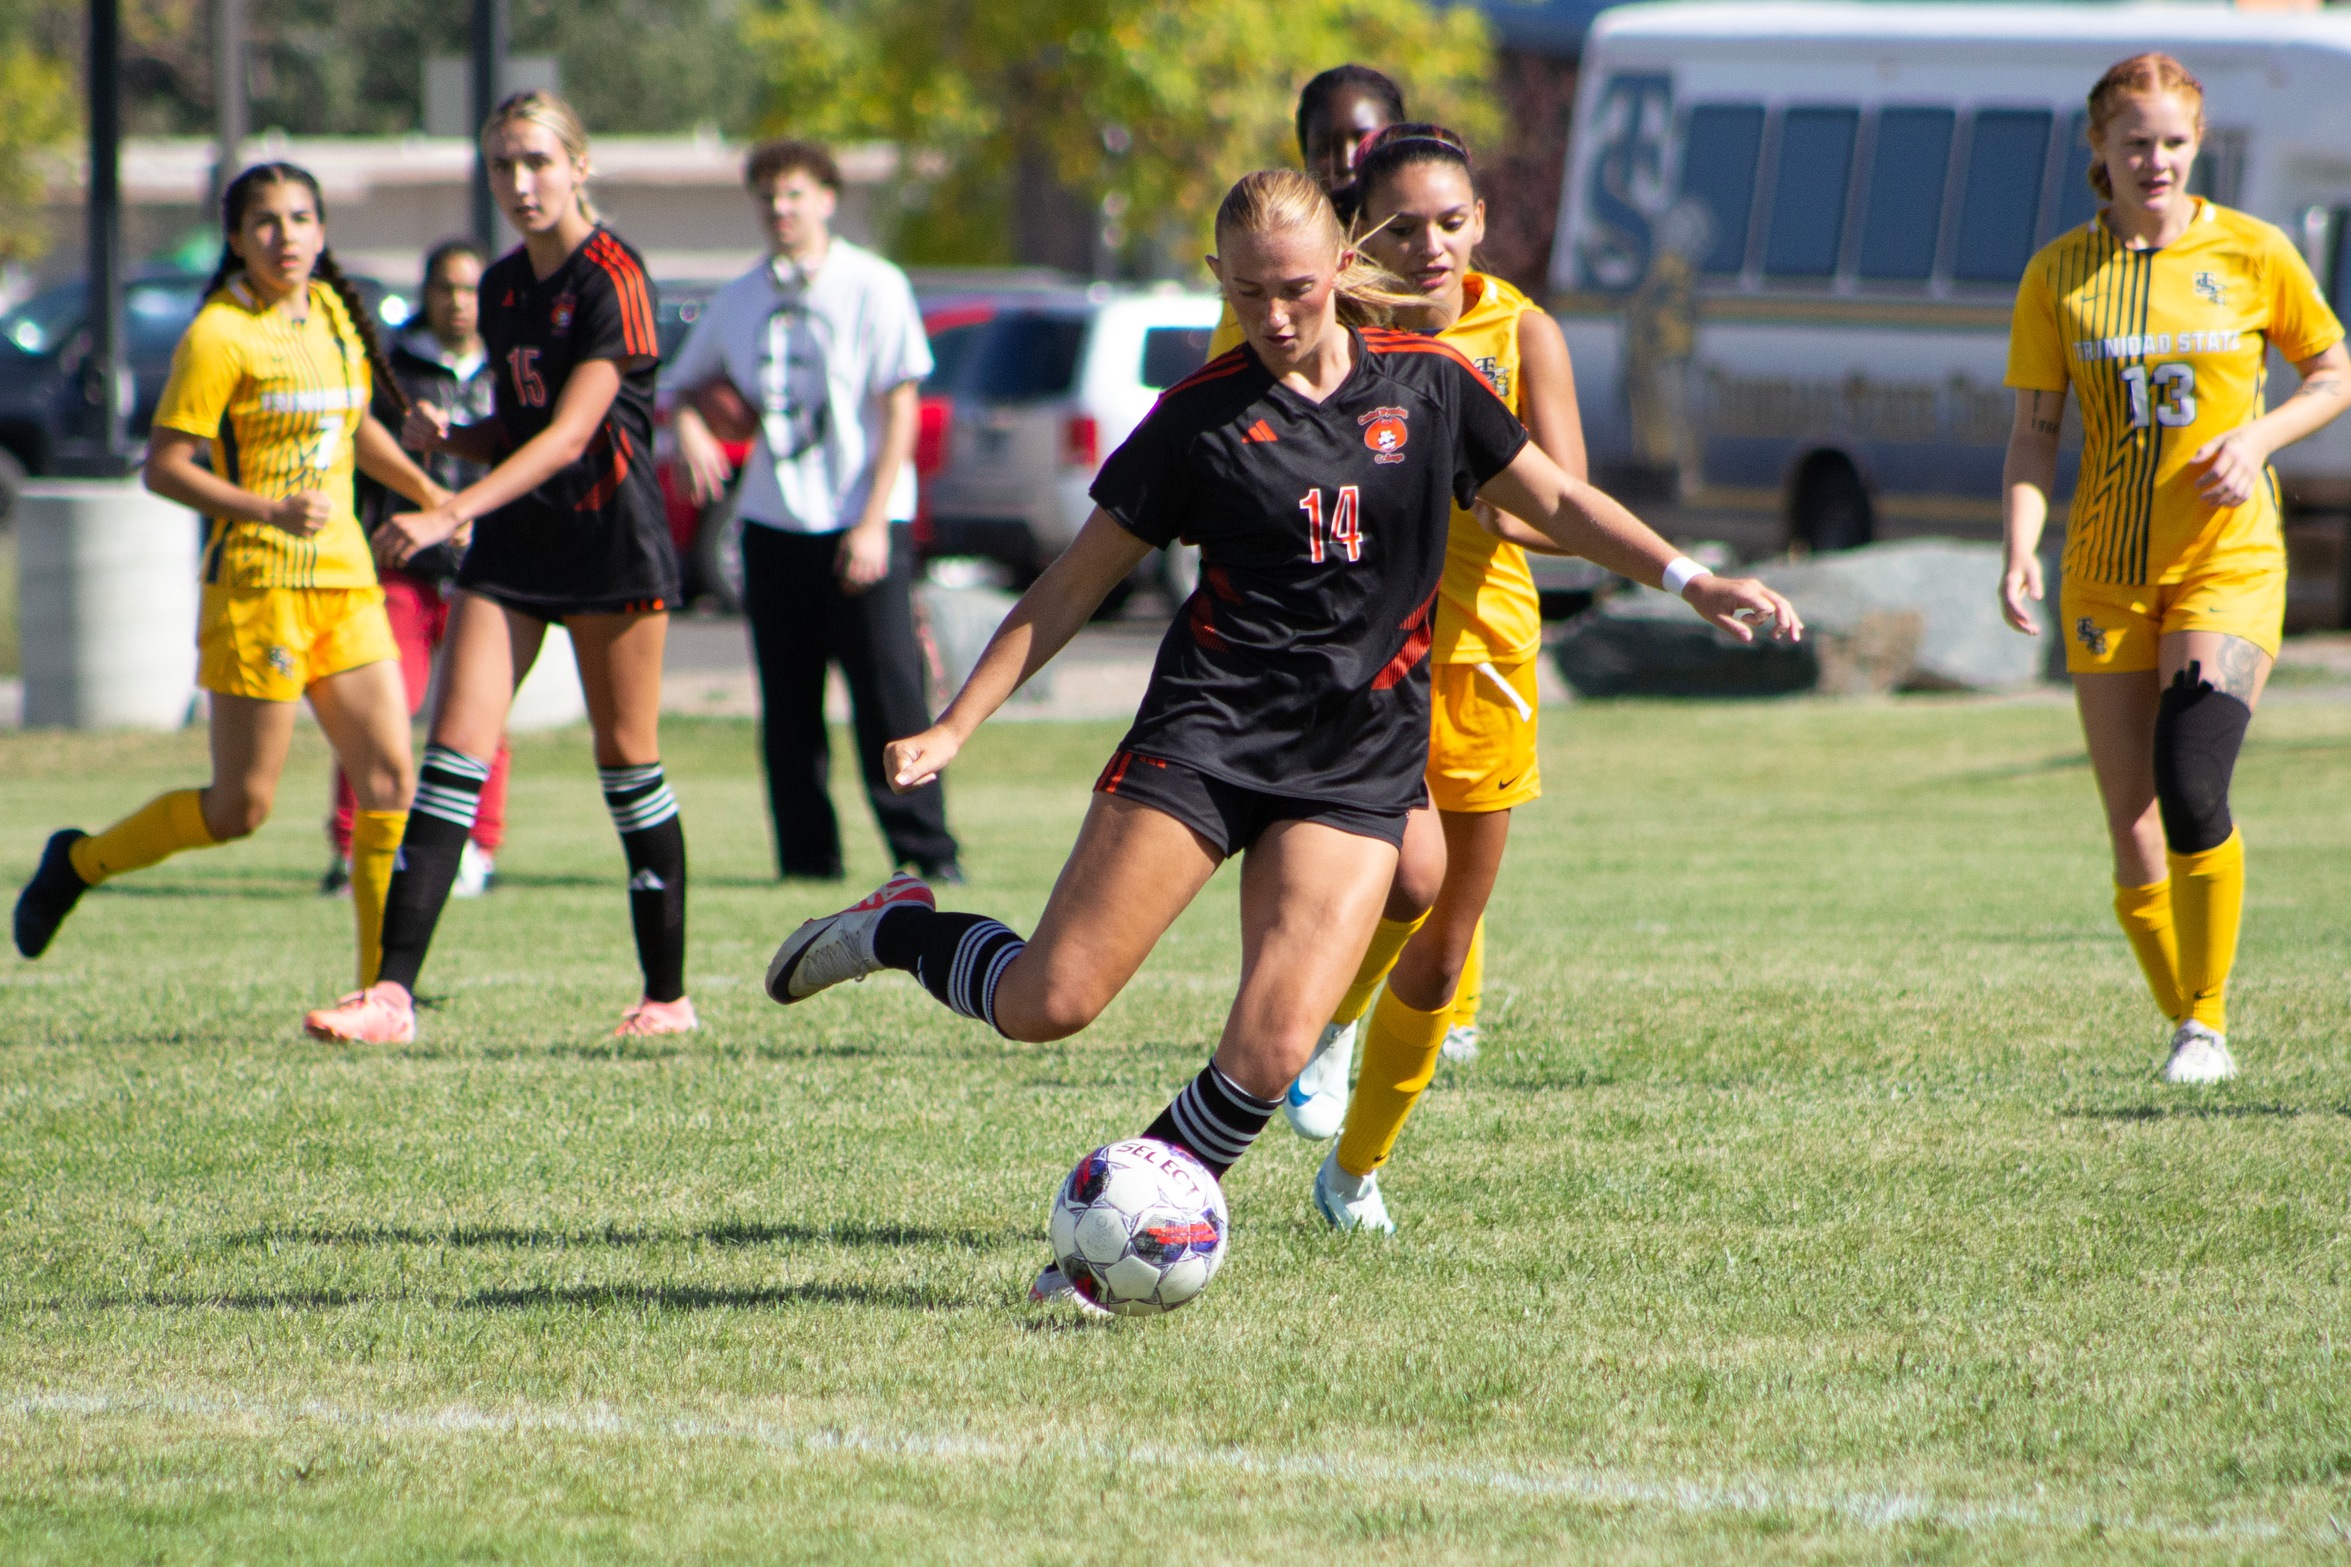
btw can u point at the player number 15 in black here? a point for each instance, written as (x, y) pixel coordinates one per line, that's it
(1344, 529)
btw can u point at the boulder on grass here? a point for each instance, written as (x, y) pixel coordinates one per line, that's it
(1645, 643)
(1951, 587)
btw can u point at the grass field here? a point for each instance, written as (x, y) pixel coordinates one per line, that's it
(1814, 1201)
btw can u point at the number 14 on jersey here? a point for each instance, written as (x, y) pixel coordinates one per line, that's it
(1345, 527)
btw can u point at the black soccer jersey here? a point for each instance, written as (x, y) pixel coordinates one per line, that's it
(1300, 664)
(595, 535)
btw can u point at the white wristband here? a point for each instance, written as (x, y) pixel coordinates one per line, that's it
(1681, 571)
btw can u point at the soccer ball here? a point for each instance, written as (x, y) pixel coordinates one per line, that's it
(1139, 1227)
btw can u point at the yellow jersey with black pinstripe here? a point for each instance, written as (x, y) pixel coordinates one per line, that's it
(2164, 350)
(280, 400)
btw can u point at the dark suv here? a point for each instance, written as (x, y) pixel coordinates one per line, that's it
(45, 400)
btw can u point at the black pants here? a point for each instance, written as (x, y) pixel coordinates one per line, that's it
(801, 620)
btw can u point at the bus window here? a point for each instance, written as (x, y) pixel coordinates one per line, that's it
(1808, 192)
(1907, 173)
(1718, 171)
(2077, 203)
(2002, 202)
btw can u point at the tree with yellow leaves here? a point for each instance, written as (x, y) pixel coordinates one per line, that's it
(1143, 108)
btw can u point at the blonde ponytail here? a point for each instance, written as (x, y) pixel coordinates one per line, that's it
(538, 107)
(1281, 201)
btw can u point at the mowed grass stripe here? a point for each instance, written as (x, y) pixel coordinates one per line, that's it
(1816, 1140)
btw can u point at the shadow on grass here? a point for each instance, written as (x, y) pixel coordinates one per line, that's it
(2131, 1113)
(266, 886)
(523, 1237)
(557, 879)
(896, 1297)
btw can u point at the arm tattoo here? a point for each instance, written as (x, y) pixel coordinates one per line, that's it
(2327, 384)
(2044, 426)
(2236, 668)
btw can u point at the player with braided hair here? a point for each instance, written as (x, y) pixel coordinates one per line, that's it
(272, 382)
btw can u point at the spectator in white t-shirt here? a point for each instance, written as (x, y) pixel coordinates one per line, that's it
(824, 343)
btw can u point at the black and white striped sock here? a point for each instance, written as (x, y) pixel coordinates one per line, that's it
(645, 814)
(958, 957)
(448, 796)
(1214, 1119)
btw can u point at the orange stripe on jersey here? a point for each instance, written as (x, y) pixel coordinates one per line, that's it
(1224, 364)
(616, 440)
(1385, 342)
(628, 281)
(637, 332)
(1415, 648)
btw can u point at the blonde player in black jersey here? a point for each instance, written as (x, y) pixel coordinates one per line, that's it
(271, 385)
(1287, 719)
(568, 527)
(2158, 315)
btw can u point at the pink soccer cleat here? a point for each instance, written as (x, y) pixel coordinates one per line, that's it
(657, 1017)
(382, 1014)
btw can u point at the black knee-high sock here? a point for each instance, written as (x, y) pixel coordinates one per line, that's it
(1214, 1119)
(646, 815)
(448, 794)
(958, 957)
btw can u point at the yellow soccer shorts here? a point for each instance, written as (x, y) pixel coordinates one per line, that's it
(1482, 737)
(274, 643)
(2112, 629)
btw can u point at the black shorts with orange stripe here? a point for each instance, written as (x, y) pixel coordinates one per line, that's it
(1226, 814)
(595, 533)
(1299, 668)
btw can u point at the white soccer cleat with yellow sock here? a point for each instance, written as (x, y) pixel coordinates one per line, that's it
(2199, 1055)
(1317, 1099)
(1351, 1202)
(1461, 1044)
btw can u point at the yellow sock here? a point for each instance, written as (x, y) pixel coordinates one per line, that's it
(1468, 993)
(1378, 958)
(375, 842)
(155, 831)
(2144, 913)
(2208, 901)
(1399, 1057)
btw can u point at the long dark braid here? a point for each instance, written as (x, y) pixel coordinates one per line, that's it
(233, 203)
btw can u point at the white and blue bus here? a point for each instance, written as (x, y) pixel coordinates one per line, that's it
(1791, 236)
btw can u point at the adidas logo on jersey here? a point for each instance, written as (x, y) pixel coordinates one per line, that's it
(1258, 432)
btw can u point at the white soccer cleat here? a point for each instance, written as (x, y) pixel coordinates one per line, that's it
(1461, 1044)
(824, 952)
(1053, 1288)
(1317, 1099)
(2198, 1055)
(1351, 1202)
(475, 870)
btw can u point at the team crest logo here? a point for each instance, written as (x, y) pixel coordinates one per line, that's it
(281, 660)
(561, 316)
(1496, 373)
(2091, 636)
(1385, 434)
(2210, 287)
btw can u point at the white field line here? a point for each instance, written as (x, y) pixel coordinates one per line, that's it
(1592, 1487)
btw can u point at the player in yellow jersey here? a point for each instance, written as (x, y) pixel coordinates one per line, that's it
(1420, 217)
(271, 385)
(2157, 316)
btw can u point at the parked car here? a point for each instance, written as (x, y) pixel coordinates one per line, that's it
(45, 401)
(1044, 391)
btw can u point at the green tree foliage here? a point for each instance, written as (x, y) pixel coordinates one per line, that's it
(333, 68)
(39, 113)
(1156, 104)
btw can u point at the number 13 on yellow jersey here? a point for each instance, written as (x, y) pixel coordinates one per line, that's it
(2173, 403)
